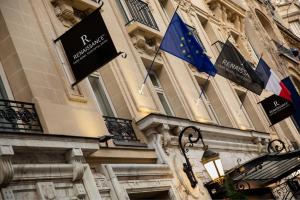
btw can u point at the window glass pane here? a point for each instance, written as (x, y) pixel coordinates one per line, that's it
(165, 104)
(154, 80)
(211, 169)
(101, 96)
(3, 94)
(220, 167)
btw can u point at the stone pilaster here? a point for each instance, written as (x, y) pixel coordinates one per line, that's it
(6, 167)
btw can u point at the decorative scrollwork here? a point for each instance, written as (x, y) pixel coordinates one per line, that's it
(193, 138)
(283, 191)
(242, 185)
(121, 129)
(276, 146)
(21, 116)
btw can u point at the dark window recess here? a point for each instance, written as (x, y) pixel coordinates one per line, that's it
(122, 131)
(284, 51)
(139, 12)
(101, 96)
(295, 145)
(16, 116)
(195, 33)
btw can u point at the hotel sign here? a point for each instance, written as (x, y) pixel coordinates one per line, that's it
(233, 66)
(88, 46)
(277, 108)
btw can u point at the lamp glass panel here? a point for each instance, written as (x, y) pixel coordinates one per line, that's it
(220, 167)
(211, 169)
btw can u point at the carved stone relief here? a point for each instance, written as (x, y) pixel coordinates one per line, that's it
(147, 44)
(6, 167)
(46, 190)
(64, 11)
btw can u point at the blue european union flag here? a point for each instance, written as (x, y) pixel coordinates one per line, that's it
(180, 42)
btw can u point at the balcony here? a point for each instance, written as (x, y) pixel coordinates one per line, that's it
(122, 131)
(139, 11)
(282, 50)
(141, 26)
(16, 116)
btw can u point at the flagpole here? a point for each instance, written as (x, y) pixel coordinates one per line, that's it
(156, 53)
(202, 90)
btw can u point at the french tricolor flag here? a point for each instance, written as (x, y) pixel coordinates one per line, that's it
(271, 81)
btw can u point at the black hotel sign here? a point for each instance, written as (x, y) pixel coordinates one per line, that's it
(277, 108)
(88, 46)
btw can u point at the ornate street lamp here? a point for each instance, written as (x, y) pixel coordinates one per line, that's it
(210, 159)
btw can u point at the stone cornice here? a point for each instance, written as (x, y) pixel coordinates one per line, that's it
(42, 141)
(155, 120)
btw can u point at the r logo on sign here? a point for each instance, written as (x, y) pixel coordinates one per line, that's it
(276, 103)
(84, 39)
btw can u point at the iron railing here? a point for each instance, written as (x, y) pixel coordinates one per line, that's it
(121, 129)
(16, 116)
(283, 50)
(140, 12)
(195, 34)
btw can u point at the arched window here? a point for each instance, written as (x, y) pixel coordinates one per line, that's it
(266, 24)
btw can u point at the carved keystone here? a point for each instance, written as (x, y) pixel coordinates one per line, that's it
(6, 167)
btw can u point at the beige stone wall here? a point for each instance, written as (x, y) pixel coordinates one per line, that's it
(38, 72)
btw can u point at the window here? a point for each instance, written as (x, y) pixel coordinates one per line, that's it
(138, 10)
(161, 195)
(167, 8)
(205, 99)
(101, 96)
(250, 111)
(160, 92)
(295, 26)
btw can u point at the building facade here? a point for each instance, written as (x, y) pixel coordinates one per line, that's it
(52, 144)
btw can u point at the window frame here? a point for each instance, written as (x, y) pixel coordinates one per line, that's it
(159, 89)
(101, 82)
(6, 83)
(205, 99)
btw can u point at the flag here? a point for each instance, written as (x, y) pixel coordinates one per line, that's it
(277, 108)
(88, 46)
(296, 100)
(180, 42)
(271, 81)
(233, 66)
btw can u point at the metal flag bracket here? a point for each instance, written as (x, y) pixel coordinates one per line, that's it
(123, 54)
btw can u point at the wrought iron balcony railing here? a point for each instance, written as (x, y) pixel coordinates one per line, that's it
(285, 51)
(137, 10)
(122, 131)
(16, 116)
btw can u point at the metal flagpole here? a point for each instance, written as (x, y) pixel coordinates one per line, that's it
(150, 68)
(202, 90)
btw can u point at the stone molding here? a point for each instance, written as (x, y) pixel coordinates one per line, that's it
(144, 38)
(75, 157)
